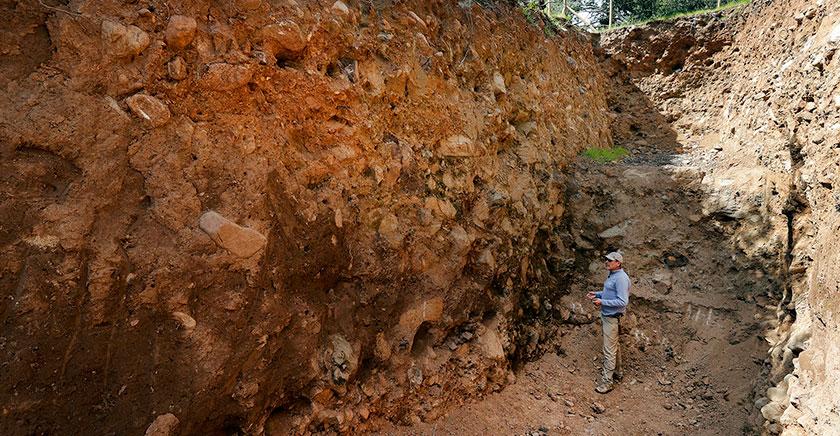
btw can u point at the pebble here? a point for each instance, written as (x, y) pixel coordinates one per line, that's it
(283, 39)
(598, 408)
(225, 77)
(163, 425)
(124, 41)
(180, 31)
(148, 108)
(340, 8)
(241, 241)
(177, 68)
(186, 321)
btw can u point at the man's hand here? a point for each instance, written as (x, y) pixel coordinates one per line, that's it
(590, 295)
(597, 301)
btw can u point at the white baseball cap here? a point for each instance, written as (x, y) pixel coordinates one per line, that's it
(615, 255)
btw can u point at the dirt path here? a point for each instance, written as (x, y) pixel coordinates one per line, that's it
(692, 339)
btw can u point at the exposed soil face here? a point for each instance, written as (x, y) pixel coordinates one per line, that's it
(741, 106)
(269, 217)
(233, 216)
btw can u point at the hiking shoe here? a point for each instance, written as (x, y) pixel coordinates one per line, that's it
(604, 387)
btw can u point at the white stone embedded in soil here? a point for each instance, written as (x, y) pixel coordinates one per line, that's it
(180, 31)
(186, 321)
(458, 146)
(241, 241)
(340, 7)
(163, 425)
(123, 41)
(149, 109)
(834, 36)
(499, 83)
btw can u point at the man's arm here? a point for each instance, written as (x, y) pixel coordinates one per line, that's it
(622, 289)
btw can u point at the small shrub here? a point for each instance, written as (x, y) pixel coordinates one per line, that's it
(605, 155)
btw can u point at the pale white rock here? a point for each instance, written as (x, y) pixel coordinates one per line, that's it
(240, 241)
(772, 411)
(458, 146)
(150, 109)
(499, 83)
(613, 232)
(186, 321)
(163, 425)
(340, 7)
(834, 36)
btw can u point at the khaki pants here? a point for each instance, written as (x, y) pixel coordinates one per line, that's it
(612, 349)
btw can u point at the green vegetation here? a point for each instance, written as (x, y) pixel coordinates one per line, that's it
(605, 155)
(624, 12)
(723, 6)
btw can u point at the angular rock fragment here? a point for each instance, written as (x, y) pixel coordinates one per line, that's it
(241, 241)
(187, 322)
(499, 83)
(340, 8)
(150, 109)
(389, 229)
(224, 77)
(180, 31)
(458, 146)
(177, 68)
(123, 41)
(163, 425)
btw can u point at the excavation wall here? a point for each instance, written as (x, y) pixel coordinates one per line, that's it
(754, 94)
(267, 215)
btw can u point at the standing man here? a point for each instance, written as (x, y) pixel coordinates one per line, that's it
(613, 301)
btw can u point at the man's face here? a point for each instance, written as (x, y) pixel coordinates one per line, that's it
(612, 265)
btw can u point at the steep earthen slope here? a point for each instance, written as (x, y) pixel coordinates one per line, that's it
(760, 116)
(274, 215)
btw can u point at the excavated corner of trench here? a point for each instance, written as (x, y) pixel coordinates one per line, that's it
(282, 217)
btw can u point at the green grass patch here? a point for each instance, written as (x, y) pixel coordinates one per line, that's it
(605, 155)
(724, 6)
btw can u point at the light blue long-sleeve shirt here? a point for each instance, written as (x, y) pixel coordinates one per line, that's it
(616, 293)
